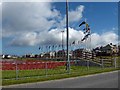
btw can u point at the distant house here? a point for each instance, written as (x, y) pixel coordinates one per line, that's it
(61, 53)
(46, 55)
(83, 54)
(6, 56)
(29, 56)
(3, 56)
(110, 49)
(52, 54)
(107, 50)
(118, 49)
(42, 55)
(78, 53)
(88, 54)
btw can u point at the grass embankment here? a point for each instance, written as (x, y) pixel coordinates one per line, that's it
(58, 73)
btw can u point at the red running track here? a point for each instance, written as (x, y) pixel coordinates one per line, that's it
(29, 65)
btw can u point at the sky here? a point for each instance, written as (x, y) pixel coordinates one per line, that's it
(28, 25)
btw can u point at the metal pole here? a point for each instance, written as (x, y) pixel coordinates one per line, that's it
(68, 61)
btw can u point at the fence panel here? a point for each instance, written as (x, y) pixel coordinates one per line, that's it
(39, 68)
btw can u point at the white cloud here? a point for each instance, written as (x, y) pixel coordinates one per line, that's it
(21, 17)
(76, 15)
(73, 15)
(52, 37)
(95, 40)
(103, 39)
(30, 24)
(28, 39)
(55, 37)
(20, 20)
(109, 37)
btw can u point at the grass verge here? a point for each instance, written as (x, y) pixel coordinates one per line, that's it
(52, 75)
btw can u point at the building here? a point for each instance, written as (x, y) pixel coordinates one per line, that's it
(119, 50)
(107, 50)
(78, 53)
(46, 55)
(7, 56)
(61, 54)
(52, 54)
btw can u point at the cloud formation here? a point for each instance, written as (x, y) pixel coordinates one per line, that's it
(55, 37)
(32, 24)
(27, 39)
(73, 16)
(76, 15)
(103, 39)
(28, 17)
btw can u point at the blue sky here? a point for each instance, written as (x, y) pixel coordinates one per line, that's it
(105, 14)
(26, 26)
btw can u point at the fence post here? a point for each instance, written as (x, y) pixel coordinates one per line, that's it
(115, 62)
(88, 64)
(102, 63)
(16, 70)
(46, 69)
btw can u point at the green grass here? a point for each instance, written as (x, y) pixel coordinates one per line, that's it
(8, 74)
(52, 74)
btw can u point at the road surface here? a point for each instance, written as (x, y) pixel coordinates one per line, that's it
(104, 80)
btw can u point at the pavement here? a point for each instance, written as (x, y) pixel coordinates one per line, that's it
(103, 80)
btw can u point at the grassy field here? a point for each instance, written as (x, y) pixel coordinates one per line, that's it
(27, 76)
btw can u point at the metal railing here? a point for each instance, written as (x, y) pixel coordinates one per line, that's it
(35, 68)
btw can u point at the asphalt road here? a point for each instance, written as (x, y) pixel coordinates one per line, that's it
(104, 80)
